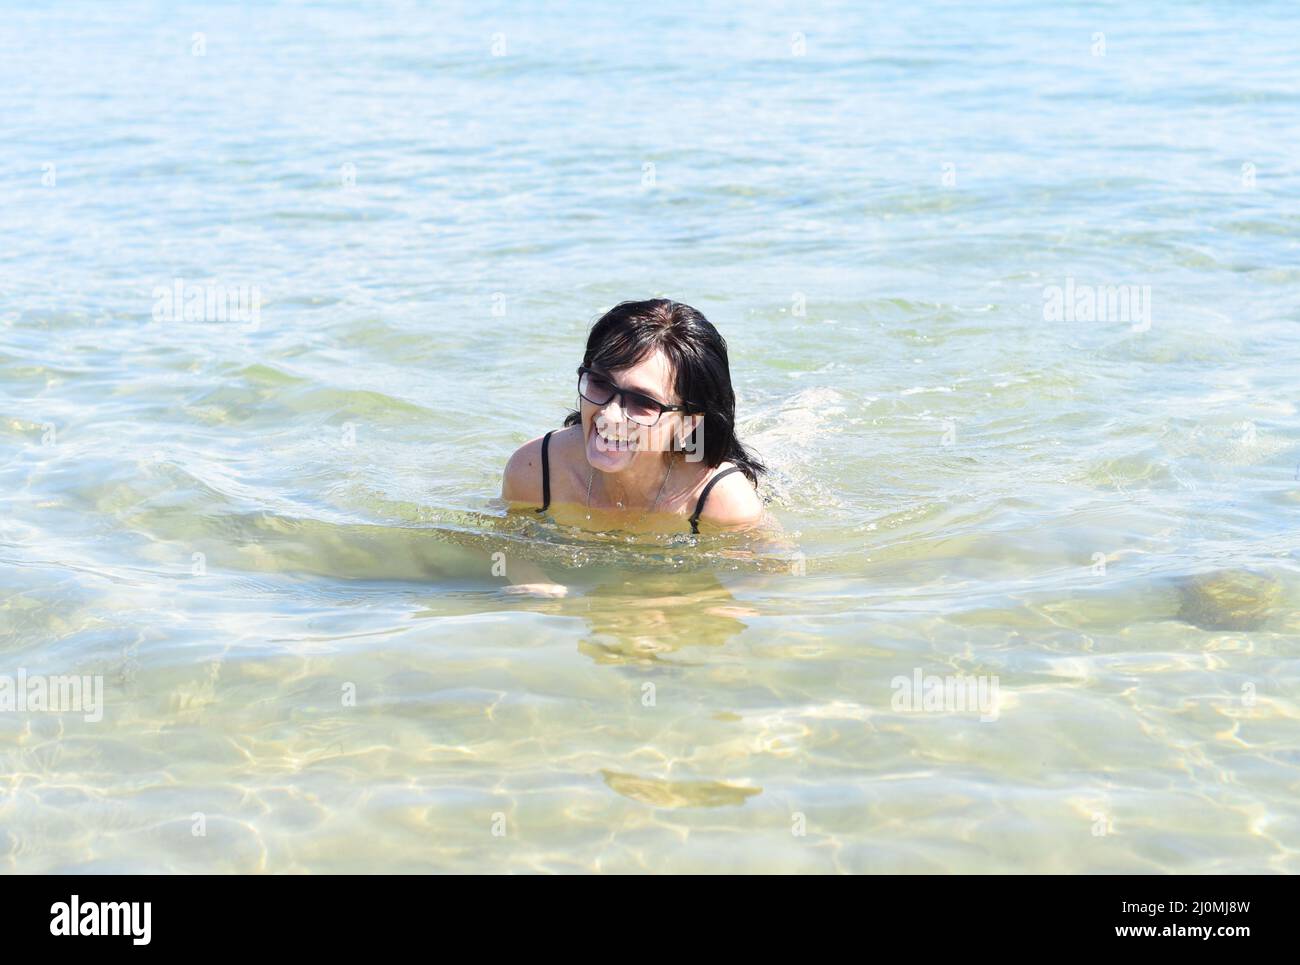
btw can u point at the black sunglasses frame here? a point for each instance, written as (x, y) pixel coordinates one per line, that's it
(622, 395)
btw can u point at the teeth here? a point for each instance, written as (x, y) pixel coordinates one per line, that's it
(612, 440)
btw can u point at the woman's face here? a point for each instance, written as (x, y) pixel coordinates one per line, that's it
(614, 441)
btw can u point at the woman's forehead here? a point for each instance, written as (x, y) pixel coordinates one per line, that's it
(652, 373)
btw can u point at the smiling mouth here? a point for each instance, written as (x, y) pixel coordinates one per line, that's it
(611, 442)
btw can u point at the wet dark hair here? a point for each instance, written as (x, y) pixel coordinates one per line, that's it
(697, 353)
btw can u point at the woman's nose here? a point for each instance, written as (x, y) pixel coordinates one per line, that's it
(613, 412)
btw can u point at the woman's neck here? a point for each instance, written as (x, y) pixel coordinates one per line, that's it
(637, 486)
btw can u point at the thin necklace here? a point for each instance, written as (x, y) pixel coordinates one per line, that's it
(591, 474)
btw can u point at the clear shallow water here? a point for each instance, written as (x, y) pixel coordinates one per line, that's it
(947, 461)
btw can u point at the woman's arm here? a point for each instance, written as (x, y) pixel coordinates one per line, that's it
(521, 489)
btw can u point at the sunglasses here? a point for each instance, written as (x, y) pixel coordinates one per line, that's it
(637, 407)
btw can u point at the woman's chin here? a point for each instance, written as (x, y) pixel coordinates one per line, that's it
(606, 458)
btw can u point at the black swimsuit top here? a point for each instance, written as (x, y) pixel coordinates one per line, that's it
(546, 484)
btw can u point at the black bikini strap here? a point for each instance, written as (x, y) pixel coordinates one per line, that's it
(546, 473)
(699, 507)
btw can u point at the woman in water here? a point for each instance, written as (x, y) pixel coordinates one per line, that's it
(653, 446)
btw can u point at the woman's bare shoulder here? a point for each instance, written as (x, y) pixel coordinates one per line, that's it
(522, 480)
(733, 502)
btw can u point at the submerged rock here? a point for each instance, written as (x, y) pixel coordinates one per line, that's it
(678, 794)
(1229, 599)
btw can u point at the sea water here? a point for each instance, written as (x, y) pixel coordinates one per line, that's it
(1011, 300)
